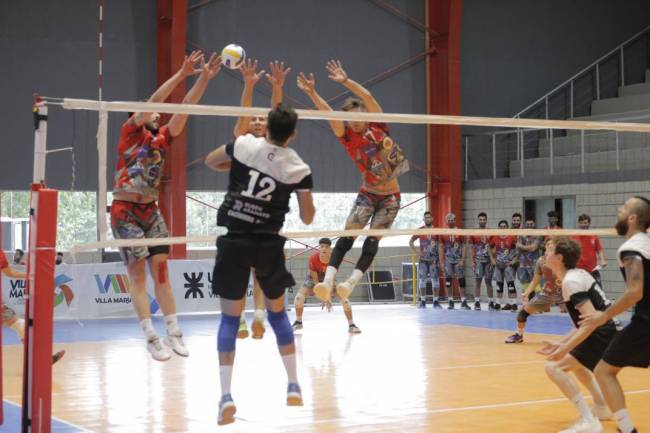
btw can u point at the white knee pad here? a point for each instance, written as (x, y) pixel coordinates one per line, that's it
(345, 303)
(299, 300)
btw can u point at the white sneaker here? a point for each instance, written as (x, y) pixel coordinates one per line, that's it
(344, 289)
(601, 412)
(157, 350)
(323, 291)
(585, 426)
(175, 343)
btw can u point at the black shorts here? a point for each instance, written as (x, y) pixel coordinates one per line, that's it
(631, 347)
(238, 253)
(590, 352)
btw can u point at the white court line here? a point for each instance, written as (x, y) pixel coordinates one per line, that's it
(378, 419)
(56, 419)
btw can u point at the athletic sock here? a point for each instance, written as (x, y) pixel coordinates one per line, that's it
(623, 421)
(258, 315)
(172, 324)
(582, 406)
(330, 273)
(147, 327)
(290, 365)
(355, 277)
(225, 375)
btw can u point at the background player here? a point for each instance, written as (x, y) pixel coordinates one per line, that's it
(479, 256)
(503, 254)
(452, 262)
(428, 262)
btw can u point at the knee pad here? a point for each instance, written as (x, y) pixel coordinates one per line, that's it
(299, 300)
(522, 316)
(345, 303)
(344, 244)
(499, 287)
(368, 253)
(511, 287)
(227, 335)
(281, 327)
(461, 282)
(448, 283)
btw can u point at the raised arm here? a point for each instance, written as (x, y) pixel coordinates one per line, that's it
(209, 70)
(250, 75)
(163, 92)
(308, 85)
(338, 74)
(276, 79)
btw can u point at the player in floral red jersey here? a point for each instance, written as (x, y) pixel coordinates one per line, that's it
(479, 247)
(142, 151)
(503, 256)
(592, 257)
(380, 161)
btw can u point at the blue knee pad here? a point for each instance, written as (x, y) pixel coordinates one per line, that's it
(227, 335)
(282, 327)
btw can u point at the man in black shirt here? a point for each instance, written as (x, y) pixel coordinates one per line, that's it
(264, 172)
(631, 347)
(581, 349)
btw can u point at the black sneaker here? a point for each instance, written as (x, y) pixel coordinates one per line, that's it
(297, 325)
(451, 305)
(497, 306)
(464, 305)
(477, 306)
(506, 307)
(423, 304)
(491, 306)
(437, 305)
(514, 308)
(515, 338)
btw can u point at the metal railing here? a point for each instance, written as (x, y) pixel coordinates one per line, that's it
(510, 151)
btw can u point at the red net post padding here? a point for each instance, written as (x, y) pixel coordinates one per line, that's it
(37, 372)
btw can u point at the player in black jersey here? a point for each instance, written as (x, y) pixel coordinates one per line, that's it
(264, 172)
(631, 347)
(581, 349)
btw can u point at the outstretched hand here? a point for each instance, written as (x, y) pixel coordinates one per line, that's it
(249, 72)
(210, 69)
(336, 72)
(306, 84)
(278, 73)
(189, 66)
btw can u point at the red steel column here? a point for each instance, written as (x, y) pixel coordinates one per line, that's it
(172, 30)
(444, 154)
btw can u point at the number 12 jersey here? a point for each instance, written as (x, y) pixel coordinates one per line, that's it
(262, 178)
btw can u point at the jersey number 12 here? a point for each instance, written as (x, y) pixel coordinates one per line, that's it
(266, 183)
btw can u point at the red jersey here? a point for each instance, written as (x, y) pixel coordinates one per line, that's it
(4, 264)
(590, 246)
(428, 245)
(374, 153)
(505, 248)
(452, 246)
(141, 159)
(317, 266)
(480, 247)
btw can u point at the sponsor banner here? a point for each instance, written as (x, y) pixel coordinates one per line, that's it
(98, 290)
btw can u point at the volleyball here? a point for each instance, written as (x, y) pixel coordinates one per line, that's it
(232, 56)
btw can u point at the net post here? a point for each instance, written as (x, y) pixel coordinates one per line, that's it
(2, 415)
(40, 138)
(39, 305)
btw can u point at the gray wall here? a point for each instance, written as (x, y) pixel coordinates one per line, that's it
(51, 48)
(513, 51)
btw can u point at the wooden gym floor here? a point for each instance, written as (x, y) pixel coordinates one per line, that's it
(410, 370)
